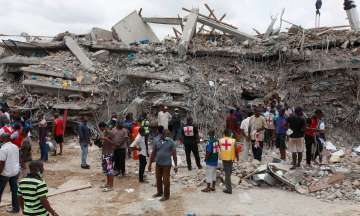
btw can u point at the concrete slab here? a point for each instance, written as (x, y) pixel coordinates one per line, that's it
(20, 60)
(172, 88)
(79, 53)
(133, 29)
(188, 32)
(43, 72)
(101, 55)
(163, 20)
(99, 34)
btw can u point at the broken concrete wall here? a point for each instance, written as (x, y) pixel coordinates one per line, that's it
(101, 35)
(133, 29)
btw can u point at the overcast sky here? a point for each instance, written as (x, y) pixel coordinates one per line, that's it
(49, 17)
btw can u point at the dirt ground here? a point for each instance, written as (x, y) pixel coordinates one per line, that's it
(132, 198)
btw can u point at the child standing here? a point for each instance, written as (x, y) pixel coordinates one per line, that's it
(139, 143)
(211, 159)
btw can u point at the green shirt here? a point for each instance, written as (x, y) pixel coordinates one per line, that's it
(32, 189)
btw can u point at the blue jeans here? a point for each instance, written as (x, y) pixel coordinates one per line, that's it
(13, 187)
(84, 152)
(44, 149)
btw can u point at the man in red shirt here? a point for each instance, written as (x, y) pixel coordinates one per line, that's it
(231, 123)
(310, 136)
(58, 132)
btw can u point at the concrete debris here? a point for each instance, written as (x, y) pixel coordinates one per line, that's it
(19, 61)
(326, 182)
(163, 20)
(101, 55)
(101, 35)
(80, 55)
(188, 32)
(133, 29)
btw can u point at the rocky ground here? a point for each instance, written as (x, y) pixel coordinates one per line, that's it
(132, 198)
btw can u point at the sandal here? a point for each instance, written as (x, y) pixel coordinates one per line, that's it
(206, 190)
(107, 189)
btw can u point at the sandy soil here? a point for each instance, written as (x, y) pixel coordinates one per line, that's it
(64, 171)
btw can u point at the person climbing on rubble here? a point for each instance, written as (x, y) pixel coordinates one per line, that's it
(114, 119)
(164, 118)
(145, 124)
(58, 132)
(108, 147)
(310, 136)
(211, 159)
(280, 125)
(84, 141)
(32, 193)
(139, 143)
(227, 155)
(247, 140)
(257, 125)
(296, 125)
(121, 140)
(190, 138)
(163, 149)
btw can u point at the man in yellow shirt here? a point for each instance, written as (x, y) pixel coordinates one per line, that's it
(227, 155)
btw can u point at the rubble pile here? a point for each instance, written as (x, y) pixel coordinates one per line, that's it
(114, 71)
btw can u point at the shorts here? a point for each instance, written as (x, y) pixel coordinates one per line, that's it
(107, 164)
(280, 141)
(210, 174)
(59, 139)
(296, 145)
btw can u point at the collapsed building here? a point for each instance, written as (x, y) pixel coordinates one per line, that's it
(207, 68)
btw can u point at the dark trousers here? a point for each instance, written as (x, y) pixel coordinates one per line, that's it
(142, 165)
(119, 160)
(44, 149)
(13, 187)
(194, 149)
(257, 152)
(163, 180)
(147, 144)
(228, 170)
(310, 145)
(319, 149)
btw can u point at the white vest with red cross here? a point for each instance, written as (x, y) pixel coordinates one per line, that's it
(189, 131)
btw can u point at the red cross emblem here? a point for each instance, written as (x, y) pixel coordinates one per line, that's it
(216, 147)
(226, 144)
(188, 131)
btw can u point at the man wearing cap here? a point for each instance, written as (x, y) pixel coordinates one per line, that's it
(297, 125)
(9, 169)
(164, 117)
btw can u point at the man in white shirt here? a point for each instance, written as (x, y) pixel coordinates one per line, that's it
(164, 117)
(9, 169)
(139, 143)
(244, 129)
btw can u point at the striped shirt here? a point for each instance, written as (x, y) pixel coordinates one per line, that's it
(32, 189)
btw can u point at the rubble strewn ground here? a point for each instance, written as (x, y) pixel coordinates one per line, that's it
(96, 74)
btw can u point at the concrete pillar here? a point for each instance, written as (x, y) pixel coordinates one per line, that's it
(352, 14)
(188, 32)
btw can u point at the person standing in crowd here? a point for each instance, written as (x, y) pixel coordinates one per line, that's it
(114, 119)
(257, 125)
(190, 139)
(270, 127)
(6, 128)
(5, 113)
(139, 143)
(280, 125)
(108, 147)
(163, 149)
(320, 136)
(297, 125)
(310, 136)
(128, 123)
(175, 124)
(247, 140)
(58, 132)
(227, 155)
(164, 118)
(145, 124)
(18, 135)
(43, 132)
(9, 169)
(84, 141)
(238, 116)
(231, 124)
(211, 159)
(33, 191)
(121, 140)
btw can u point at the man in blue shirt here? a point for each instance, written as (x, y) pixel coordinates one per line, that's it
(211, 159)
(84, 140)
(280, 124)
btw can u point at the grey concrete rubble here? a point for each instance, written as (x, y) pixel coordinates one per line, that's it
(80, 55)
(101, 55)
(188, 32)
(20, 61)
(133, 29)
(100, 35)
(163, 20)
